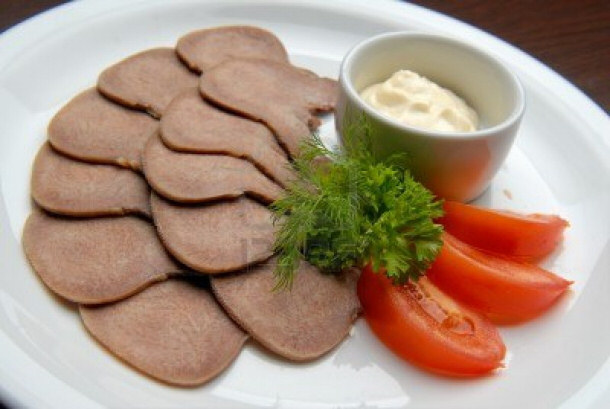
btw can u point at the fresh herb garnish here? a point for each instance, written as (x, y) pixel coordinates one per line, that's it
(353, 209)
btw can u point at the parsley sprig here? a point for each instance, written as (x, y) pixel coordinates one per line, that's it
(346, 208)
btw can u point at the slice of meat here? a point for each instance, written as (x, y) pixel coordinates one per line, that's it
(65, 186)
(192, 125)
(173, 331)
(218, 237)
(203, 49)
(282, 96)
(94, 129)
(148, 80)
(196, 178)
(93, 261)
(299, 324)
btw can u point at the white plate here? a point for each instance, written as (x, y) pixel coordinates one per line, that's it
(560, 164)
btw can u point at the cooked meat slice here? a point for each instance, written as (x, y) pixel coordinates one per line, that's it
(65, 186)
(203, 49)
(218, 237)
(196, 178)
(94, 129)
(282, 96)
(148, 80)
(172, 331)
(299, 324)
(94, 261)
(192, 125)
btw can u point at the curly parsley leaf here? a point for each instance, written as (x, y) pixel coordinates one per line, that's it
(349, 209)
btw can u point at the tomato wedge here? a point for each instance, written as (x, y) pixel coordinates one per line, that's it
(525, 237)
(421, 324)
(505, 290)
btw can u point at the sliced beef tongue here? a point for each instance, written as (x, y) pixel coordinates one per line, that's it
(148, 80)
(65, 186)
(173, 331)
(282, 96)
(299, 324)
(203, 49)
(222, 142)
(218, 237)
(94, 261)
(196, 178)
(93, 129)
(192, 125)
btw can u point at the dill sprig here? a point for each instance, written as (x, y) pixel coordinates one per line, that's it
(346, 208)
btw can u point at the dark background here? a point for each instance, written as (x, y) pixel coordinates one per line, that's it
(570, 36)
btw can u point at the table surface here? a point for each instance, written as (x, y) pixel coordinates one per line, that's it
(570, 36)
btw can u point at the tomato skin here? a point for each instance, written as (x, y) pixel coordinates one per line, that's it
(524, 237)
(505, 290)
(410, 331)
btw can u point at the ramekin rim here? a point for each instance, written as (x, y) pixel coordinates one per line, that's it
(498, 129)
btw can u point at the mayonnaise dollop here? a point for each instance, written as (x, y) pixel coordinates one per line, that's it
(416, 101)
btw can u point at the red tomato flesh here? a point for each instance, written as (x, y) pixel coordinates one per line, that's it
(505, 290)
(525, 237)
(421, 324)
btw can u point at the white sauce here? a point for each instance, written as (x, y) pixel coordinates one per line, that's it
(416, 101)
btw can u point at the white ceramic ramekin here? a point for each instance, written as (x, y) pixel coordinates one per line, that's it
(455, 166)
